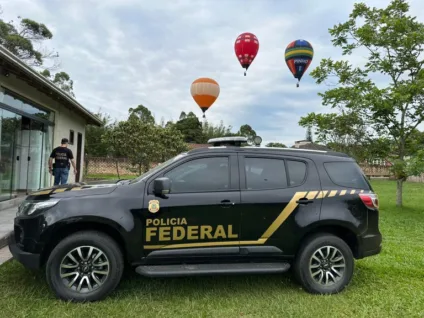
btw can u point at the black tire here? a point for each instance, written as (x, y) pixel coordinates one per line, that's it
(99, 241)
(303, 273)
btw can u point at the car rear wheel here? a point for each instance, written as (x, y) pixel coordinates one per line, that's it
(86, 266)
(324, 264)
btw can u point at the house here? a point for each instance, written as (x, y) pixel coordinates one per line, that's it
(34, 116)
(306, 144)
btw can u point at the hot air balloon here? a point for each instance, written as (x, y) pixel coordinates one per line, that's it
(205, 91)
(299, 56)
(246, 48)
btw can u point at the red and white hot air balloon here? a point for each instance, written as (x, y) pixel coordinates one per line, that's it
(246, 48)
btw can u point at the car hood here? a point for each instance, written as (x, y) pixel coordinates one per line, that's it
(73, 190)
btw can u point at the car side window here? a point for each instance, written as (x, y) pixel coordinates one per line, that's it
(265, 173)
(297, 172)
(200, 175)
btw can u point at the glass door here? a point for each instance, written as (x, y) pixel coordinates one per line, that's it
(30, 159)
(35, 156)
(9, 123)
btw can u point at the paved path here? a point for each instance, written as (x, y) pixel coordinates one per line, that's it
(6, 224)
(5, 255)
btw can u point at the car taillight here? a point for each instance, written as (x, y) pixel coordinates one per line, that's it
(370, 200)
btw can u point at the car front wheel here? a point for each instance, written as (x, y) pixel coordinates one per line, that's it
(324, 264)
(86, 266)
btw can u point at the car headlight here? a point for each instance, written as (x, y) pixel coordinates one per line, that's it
(30, 207)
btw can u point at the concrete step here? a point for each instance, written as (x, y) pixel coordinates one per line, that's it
(5, 255)
(4, 240)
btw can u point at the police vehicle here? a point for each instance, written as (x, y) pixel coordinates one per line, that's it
(225, 209)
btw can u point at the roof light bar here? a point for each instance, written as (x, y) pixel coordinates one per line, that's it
(227, 141)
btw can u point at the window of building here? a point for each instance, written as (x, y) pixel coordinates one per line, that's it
(25, 106)
(71, 137)
(199, 175)
(265, 173)
(297, 172)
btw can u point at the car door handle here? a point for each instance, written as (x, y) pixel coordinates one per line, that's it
(304, 201)
(227, 202)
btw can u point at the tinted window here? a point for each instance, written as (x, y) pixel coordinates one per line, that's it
(206, 174)
(297, 172)
(346, 174)
(25, 106)
(264, 173)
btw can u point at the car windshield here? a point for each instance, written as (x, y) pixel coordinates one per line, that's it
(158, 167)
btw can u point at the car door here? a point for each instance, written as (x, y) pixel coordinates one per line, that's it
(200, 217)
(277, 198)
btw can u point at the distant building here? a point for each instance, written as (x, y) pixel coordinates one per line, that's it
(306, 144)
(34, 116)
(195, 146)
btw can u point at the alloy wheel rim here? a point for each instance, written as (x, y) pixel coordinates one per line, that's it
(84, 269)
(327, 265)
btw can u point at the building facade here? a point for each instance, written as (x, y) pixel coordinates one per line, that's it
(34, 116)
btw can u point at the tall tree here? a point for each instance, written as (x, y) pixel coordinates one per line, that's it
(248, 132)
(95, 145)
(347, 132)
(24, 38)
(62, 80)
(144, 143)
(191, 128)
(309, 134)
(143, 114)
(394, 41)
(215, 131)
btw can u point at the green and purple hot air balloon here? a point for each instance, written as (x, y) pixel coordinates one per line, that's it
(299, 56)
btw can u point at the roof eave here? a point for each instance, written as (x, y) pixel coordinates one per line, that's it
(11, 58)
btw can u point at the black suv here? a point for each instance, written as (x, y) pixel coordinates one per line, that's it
(217, 210)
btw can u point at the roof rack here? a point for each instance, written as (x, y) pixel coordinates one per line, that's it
(227, 141)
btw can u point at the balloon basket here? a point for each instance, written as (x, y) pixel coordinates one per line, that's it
(297, 85)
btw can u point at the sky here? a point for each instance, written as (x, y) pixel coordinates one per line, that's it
(122, 53)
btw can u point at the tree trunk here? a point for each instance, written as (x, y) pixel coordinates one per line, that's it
(399, 192)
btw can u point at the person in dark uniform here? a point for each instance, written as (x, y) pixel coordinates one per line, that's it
(62, 155)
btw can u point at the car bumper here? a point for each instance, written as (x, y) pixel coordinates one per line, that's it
(29, 260)
(369, 245)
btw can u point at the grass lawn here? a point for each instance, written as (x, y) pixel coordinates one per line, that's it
(388, 285)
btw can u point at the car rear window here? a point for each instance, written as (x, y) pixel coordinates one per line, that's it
(347, 174)
(265, 173)
(297, 172)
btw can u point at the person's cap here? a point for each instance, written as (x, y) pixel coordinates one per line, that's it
(65, 141)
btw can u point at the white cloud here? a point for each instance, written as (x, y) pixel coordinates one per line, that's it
(121, 53)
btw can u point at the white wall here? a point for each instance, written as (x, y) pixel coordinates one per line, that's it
(65, 119)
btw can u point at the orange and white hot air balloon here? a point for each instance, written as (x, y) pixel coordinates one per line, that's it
(205, 91)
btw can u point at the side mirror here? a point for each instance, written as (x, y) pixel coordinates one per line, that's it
(161, 186)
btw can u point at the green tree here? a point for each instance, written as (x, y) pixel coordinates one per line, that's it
(394, 41)
(143, 114)
(95, 145)
(191, 128)
(347, 133)
(62, 80)
(248, 132)
(25, 38)
(215, 131)
(276, 144)
(144, 143)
